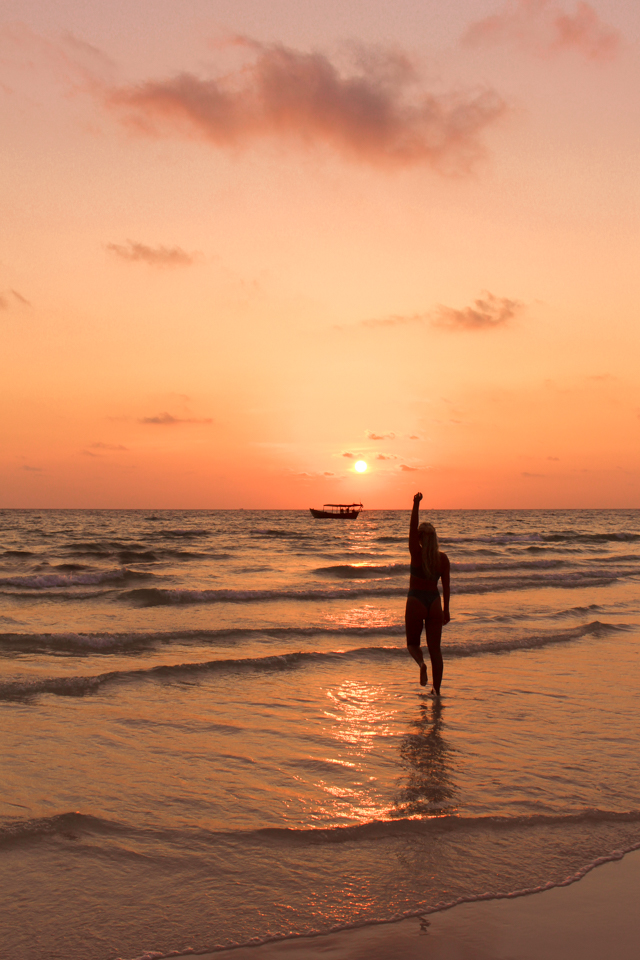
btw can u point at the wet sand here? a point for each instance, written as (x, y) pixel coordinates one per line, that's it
(596, 916)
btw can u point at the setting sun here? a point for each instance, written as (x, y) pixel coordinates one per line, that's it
(360, 466)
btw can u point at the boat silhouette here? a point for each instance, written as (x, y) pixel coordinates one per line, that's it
(337, 511)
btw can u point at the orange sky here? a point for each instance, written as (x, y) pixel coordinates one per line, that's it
(242, 244)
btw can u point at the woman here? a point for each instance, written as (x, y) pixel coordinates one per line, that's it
(428, 564)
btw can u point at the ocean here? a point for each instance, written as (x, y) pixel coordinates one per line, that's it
(213, 733)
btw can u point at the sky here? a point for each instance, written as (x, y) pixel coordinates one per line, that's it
(244, 245)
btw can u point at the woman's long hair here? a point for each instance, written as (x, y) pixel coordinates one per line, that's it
(430, 550)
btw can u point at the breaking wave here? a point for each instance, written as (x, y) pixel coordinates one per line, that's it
(80, 686)
(47, 581)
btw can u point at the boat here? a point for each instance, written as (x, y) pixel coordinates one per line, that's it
(337, 511)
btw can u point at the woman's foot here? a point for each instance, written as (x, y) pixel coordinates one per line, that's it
(436, 696)
(423, 674)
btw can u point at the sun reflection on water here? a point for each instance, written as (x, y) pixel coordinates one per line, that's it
(360, 713)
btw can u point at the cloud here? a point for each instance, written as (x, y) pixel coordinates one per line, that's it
(10, 297)
(534, 476)
(396, 320)
(413, 437)
(32, 469)
(486, 312)
(155, 256)
(543, 28)
(350, 455)
(380, 436)
(407, 468)
(327, 474)
(76, 62)
(167, 420)
(390, 456)
(378, 113)
(557, 459)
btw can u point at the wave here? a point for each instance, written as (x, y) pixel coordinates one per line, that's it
(179, 534)
(364, 571)
(111, 642)
(73, 823)
(157, 597)
(80, 686)
(67, 825)
(565, 536)
(49, 580)
(354, 571)
(419, 913)
(401, 826)
(275, 534)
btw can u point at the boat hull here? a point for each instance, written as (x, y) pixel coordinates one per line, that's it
(326, 515)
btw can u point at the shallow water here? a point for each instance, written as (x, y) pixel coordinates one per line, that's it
(213, 731)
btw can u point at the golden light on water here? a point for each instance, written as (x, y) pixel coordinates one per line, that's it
(360, 466)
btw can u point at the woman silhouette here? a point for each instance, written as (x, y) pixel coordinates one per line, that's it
(428, 565)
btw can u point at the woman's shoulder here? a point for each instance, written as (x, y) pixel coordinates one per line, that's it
(444, 559)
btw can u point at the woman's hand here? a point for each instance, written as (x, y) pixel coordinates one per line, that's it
(445, 617)
(417, 497)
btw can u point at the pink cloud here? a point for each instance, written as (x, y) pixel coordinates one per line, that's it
(486, 312)
(380, 436)
(378, 114)
(167, 420)
(543, 28)
(154, 256)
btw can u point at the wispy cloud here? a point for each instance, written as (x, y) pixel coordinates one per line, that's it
(155, 256)
(32, 469)
(378, 113)
(9, 298)
(407, 468)
(107, 446)
(390, 456)
(379, 436)
(167, 420)
(543, 28)
(485, 313)
(534, 476)
(396, 320)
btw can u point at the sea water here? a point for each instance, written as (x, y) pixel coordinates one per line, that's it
(213, 734)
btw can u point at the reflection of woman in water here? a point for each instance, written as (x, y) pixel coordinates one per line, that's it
(427, 789)
(428, 564)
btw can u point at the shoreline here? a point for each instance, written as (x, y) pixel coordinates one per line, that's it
(587, 918)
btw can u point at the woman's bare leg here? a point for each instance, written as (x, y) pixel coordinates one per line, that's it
(433, 624)
(414, 619)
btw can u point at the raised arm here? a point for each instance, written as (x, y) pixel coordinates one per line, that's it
(446, 586)
(413, 524)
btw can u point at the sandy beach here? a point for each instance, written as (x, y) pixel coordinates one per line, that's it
(596, 916)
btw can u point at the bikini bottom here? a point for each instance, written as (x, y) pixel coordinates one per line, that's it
(426, 597)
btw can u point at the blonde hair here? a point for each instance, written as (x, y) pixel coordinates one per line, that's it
(430, 550)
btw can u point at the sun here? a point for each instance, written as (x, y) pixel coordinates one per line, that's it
(360, 466)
